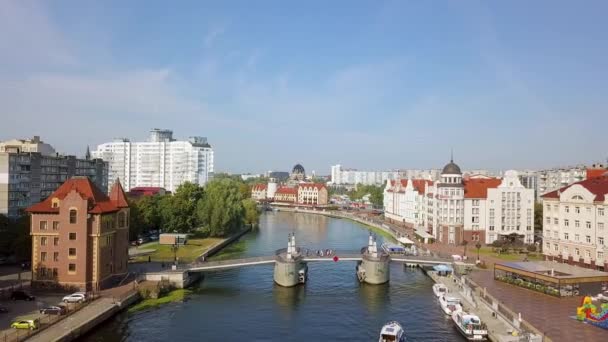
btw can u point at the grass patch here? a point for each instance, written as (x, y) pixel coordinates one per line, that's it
(186, 253)
(232, 251)
(174, 296)
(487, 251)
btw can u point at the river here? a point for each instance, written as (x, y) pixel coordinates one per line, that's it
(245, 304)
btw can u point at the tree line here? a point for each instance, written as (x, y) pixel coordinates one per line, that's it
(218, 209)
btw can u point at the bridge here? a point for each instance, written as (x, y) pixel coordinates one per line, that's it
(340, 255)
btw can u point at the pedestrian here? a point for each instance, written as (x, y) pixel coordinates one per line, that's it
(149, 258)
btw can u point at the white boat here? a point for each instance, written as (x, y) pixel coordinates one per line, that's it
(470, 326)
(440, 290)
(392, 332)
(450, 304)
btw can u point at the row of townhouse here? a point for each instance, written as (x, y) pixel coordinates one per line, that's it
(311, 194)
(456, 209)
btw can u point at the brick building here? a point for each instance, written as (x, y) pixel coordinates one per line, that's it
(80, 235)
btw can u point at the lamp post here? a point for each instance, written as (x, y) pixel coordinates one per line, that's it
(478, 246)
(174, 249)
(465, 243)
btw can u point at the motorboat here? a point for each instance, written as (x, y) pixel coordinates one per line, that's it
(450, 304)
(392, 332)
(440, 290)
(470, 326)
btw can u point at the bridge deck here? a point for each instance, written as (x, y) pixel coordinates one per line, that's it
(262, 260)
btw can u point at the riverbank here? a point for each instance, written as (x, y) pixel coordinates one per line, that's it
(177, 295)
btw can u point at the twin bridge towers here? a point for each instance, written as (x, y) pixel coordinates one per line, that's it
(291, 264)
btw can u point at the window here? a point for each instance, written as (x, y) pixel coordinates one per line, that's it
(565, 249)
(72, 236)
(588, 224)
(600, 225)
(556, 247)
(588, 210)
(55, 241)
(55, 273)
(73, 216)
(576, 237)
(577, 210)
(43, 241)
(121, 219)
(566, 222)
(587, 254)
(55, 225)
(600, 255)
(588, 238)
(577, 251)
(43, 256)
(567, 209)
(556, 221)
(491, 228)
(600, 241)
(72, 252)
(55, 256)
(555, 234)
(600, 211)
(548, 207)
(548, 220)
(72, 268)
(577, 223)
(42, 225)
(565, 236)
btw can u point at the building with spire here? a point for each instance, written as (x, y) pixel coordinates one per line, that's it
(80, 236)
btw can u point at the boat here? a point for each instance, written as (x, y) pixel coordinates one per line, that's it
(470, 326)
(440, 290)
(392, 332)
(450, 304)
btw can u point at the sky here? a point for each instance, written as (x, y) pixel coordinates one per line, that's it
(367, 84)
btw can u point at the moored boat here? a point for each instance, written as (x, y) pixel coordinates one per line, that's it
(470, 326)
(439, 290)
(392, 332)
(449, 305)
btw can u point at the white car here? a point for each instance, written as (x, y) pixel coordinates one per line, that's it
(77, 297)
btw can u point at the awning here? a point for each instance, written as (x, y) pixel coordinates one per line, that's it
(443, 268)
(424, 234)
(405, 241)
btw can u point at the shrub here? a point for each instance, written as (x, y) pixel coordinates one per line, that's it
(531, 248)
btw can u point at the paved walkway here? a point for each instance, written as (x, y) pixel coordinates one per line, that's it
(548, 314)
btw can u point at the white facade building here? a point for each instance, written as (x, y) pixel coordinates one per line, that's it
(575, 227)
(27, 145)
(159, 162)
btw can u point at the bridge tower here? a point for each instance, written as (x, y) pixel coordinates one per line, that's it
(374, 265)
(290, 269)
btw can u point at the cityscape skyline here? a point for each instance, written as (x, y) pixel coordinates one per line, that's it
(386, 86)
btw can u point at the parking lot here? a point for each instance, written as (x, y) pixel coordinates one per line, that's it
(20, 308)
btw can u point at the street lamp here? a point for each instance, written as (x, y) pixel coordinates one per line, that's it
(174, 249)
(478, 246)
(464, 243)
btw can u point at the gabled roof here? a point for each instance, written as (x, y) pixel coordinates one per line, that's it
(419, 184)
(98, 201)
(118, 196)
(286, 191)
(597, 186)
(478, 187)
(311, 185)
(260, 186)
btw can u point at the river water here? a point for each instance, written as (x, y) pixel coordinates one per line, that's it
(245, 304)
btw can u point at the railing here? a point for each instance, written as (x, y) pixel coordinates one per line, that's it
(45, 321)
(506, 313)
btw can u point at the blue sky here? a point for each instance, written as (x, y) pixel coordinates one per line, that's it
(368, 84)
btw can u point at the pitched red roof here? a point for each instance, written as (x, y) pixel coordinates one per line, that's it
(478, 187)
(594, 173)
(260, 187)
(419, 184)
(286, 191)
(597, 186)
(118, 196)
(98, 201)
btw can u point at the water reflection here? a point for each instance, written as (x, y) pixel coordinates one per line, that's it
(375, 297)
(288, 298)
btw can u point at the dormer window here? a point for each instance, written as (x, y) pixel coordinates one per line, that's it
(55, 202)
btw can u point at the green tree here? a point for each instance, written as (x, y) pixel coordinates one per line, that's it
(15, 237)
(376, 193)
(252, 214)
(178, 211)
(221, 211)
(538, 217)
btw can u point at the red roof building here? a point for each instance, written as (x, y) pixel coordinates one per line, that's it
(478, 187)
(146, 191)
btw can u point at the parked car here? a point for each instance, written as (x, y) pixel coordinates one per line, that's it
(54, 310)
(3, 309)
(153, 237)
(22, 295)
(77, 297)
(142, 240)
(25, 324)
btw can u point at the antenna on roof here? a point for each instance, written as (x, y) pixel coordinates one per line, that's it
(451, 155)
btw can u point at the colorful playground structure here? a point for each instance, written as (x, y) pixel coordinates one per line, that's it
(588, 313)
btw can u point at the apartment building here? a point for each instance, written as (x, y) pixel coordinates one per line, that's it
(575, 227)
(80, 236)
(159, 162)
(30, 177)
(27, 145)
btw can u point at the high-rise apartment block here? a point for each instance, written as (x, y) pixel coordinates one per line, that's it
(159, 162)
(31, 170)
